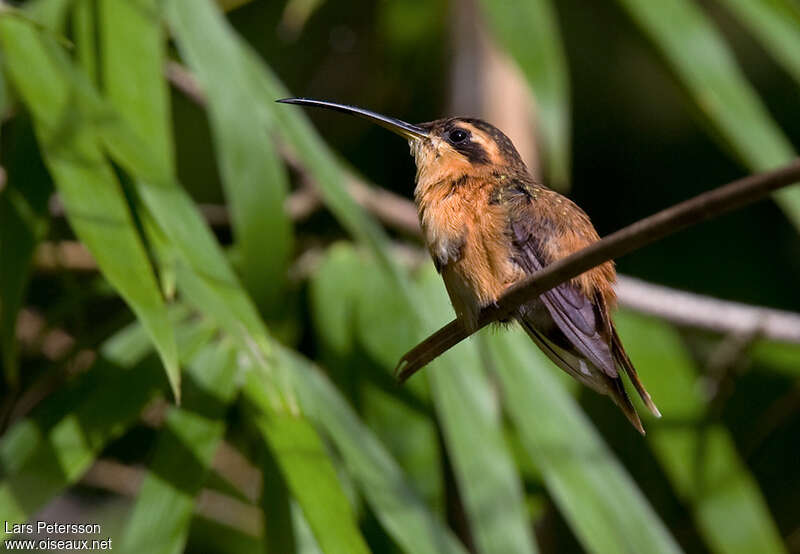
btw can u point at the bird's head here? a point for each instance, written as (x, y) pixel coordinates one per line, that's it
(444, 150)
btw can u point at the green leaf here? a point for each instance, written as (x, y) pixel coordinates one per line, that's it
(254, 178)
(183, 455)
(276, 506)
(84, 31)
(597, 497)
(488, 480)
(308, 471)
(342, 296)
(698, 455)
(529, 31)
(51, 449)
(486, 476)
(203, 273)
(334, 290)
(94, 201)
(776, 24)
(779, 356)
(377, 475)
(23, 223)
(705, 66)
(132, 43)
(292, 126)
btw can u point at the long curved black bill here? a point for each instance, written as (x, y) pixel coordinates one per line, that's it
(402, 128)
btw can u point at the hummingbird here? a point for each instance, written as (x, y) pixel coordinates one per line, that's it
(488, 223)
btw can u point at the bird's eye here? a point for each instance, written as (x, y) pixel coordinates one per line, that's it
(458, 135)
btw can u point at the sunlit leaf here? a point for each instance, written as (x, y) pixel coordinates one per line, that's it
(776, 24)
(93, 199)
(470, 414)
(378, 476)
(254, 178)
(183, 454)
(42, 454)
(704, 64)
(308, 471)
(698, 455)
(602, 504)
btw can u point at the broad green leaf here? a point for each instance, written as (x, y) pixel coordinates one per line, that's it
(48, 16)
(528, 29)
(602, 504)
(781, 356)
(307, 469)
(289, 124)
(84, 29)
(343, 293)
(49, 450)
(377, 475)
(776, 24)
(132, 43)
(204, 275)
(94, 201)
(276, 506)
(698, 456)
(334, 289)
(470, 418)
(487, 480)
(254, 178)
(706, 67)
(23, 223)
(184, 451)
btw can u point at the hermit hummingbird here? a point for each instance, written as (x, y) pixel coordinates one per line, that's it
(488, 223)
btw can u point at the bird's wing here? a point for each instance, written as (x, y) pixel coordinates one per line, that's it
(572, 311)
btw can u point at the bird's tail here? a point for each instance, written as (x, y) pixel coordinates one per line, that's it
(586, 373)
(622, 359)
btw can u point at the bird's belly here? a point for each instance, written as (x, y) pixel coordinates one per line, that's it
(478, 279)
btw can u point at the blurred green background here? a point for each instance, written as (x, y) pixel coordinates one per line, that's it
(166, 227)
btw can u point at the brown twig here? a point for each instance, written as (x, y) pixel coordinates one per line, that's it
(646, 231)
(704, 312)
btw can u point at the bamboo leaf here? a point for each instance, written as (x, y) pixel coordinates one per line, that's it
(46, 452)
(294, 128)
(470, 418)
(204, 274)
(184, 452)
(308, 471)
(343, 295)
(529, 31)
(486, 477)
(776, 24)
(602, 504)
(23, 223)
(254, 178)
(132, 43)
(704, 64)
(698, 455)
(84, 29)
(779, 356)
(93, 199)
(378, 476)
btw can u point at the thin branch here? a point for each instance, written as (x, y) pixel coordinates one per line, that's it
(696, 310)
(646, 231)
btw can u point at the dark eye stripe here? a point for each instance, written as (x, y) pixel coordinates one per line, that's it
(474, 152)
